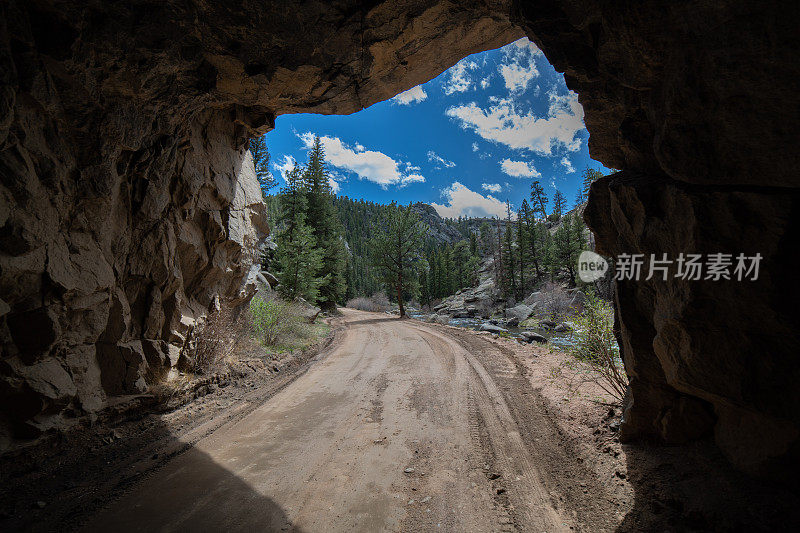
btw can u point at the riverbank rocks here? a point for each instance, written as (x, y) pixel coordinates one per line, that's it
(532, 336)
(519, 312)
(492, 328)
(440, 319)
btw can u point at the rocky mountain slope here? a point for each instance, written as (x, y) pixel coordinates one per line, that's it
(438, 229)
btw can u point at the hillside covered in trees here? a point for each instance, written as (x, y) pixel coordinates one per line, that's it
(330, 248)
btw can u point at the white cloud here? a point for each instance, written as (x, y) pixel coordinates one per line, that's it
(370, 165)
(503, 123)
(517, 77)
(412, 96)
(461, 201)
(335, 187)
(458, 78)
(433, 157)
(518, 66)
(519, 169)
(485, 82)
(475, 147)
(285, 164)
(567, 164)
(412, 178)
(492, 187)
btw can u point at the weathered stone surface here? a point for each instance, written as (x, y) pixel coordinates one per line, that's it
(707, 355)
(437, 228)
(532, 336)
(440, 319)
(519, 312)
(124, 204)
(492, 328)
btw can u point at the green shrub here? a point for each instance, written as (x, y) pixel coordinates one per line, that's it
(272, 319)
(595, 345)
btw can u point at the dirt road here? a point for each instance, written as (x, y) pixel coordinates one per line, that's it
(404, 426)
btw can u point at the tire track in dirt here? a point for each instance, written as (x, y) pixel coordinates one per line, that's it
(518, 487)
(575, 492)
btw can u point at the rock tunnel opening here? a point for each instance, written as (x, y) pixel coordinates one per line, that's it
(124, 219)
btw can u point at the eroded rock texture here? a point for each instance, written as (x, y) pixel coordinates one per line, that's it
(122, 128)
(692, 101)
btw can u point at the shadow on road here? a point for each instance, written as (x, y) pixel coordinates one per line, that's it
(198, 494)
(693, 488)
(373, 321)
(85, 482)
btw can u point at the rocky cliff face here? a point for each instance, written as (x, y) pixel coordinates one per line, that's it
(121, 153)
(102, 288)
(438, 229)
(704, 356)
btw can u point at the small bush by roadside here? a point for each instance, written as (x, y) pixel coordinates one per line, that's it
(377, 303)
(595, 347)
(280, 325)
(214, 341)
(267, 323)
(554, 302)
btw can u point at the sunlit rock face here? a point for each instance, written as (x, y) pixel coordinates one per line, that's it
(129, 206)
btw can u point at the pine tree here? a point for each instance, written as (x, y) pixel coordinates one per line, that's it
(448, 272)
(527, 218)
(589, 176)
(566, 246)
(424, 288)
(396, 252)
(538, 199)
(326, 228)
(559, 204)
(460, 254)
(258, 148)
(486, 239)
(522, 251)
(498, 261)
(297, 258)
(510, 284)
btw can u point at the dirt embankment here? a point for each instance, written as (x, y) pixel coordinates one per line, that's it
(59, 481)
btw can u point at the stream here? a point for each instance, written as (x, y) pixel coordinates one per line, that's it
(561, 340)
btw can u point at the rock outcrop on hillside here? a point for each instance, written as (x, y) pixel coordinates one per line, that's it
(122, 128)
(437, 228)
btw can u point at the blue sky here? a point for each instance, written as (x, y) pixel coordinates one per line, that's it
(465, 142)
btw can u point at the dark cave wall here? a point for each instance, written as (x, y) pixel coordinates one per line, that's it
(124, 173)
(692, 101)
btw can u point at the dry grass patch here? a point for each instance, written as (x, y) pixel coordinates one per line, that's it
(377, 303)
